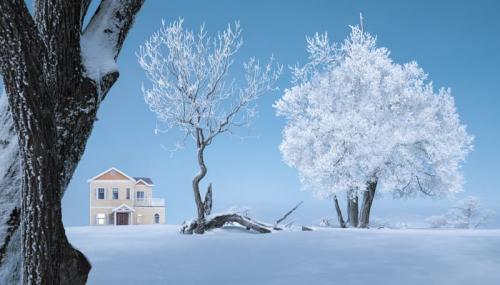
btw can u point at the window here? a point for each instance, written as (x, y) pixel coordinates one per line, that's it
(140, 195)
(115, 193)
(101, 219)
(128, 193)
(139, 219)
(100, 193)
(157, 218)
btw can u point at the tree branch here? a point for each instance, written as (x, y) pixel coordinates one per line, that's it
(110, 25)
(83, 11)
(22, 47)
(58, 23)
(288, 213)
(112, 21)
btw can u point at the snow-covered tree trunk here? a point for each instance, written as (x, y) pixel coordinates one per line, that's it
(352, 209)
(368, 196)
(339, 212)
(56, 74)
(10, 202)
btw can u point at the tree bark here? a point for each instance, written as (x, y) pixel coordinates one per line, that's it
(221, 220)
(368, 196)
(352, 209)
(200, 207)
(54, 102)
(339, 212)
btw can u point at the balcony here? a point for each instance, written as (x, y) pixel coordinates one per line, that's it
(149, 202)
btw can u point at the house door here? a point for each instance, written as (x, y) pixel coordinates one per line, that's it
(122, 219)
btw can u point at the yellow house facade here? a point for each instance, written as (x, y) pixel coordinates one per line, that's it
(119, 199)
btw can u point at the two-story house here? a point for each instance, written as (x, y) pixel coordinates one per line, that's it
(119, 199)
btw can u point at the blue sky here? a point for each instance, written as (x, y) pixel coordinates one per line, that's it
(456, 42)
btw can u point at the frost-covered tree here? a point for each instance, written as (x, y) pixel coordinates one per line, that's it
(10, 198)
(358, 123)
(468, 213)
(190, 89)
(437, 221)
(56, 71)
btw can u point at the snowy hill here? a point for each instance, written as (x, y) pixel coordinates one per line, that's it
(160, 255)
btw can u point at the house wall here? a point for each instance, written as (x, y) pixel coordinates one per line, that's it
(141, 216)
(145, 215)
(108, 215)
(148, 190)
(108, 186)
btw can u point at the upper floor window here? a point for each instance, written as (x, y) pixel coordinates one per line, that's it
(101, 219)
(101, 193)
(115, 193)
(128, 193)
(157, 218)
(139, 195)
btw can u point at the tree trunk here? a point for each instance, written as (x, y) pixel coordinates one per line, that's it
(352, 209)
(54, 95)
(196, 184)
(339, 212)
(367, 203)
(48, 258)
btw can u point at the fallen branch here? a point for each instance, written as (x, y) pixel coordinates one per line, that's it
(249, 224)
(218, 221)
(288, 214)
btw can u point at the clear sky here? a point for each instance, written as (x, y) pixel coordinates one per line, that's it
(456, 42)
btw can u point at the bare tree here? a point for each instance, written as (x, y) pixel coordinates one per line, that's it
(190, 89)
(56, 73)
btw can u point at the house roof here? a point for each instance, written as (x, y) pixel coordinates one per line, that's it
(111, 169)
(146, 180)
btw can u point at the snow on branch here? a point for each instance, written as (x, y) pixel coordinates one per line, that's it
(103, 38)
(321, 52)
(10, 196)
(190, 86)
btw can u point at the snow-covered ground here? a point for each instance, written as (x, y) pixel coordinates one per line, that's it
(160, 255)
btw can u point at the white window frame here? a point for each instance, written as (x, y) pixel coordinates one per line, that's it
(101, 219)
(103, 193)
(128, 194)
(117, 191)
(140, 198)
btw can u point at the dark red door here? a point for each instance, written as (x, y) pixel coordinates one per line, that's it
(122, 219)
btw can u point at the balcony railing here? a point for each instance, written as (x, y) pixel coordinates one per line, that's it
(149, 202)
